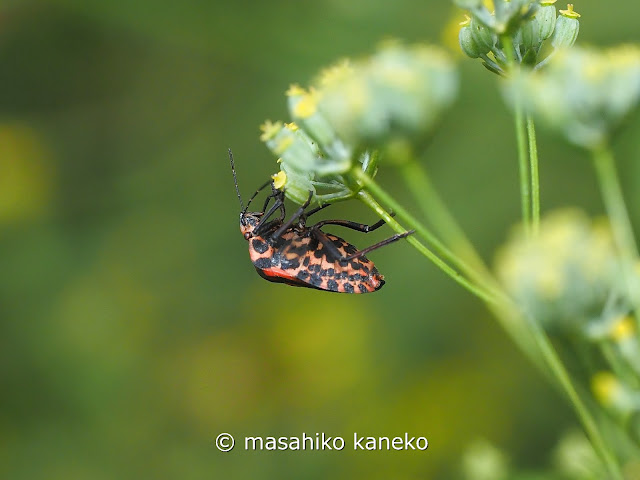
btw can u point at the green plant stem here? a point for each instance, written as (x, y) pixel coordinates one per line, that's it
(525, 182)
(535, 178)
(521, 139)
(617, 211)
(587, 419)
(437, 213)
(505, 312)
(546, 348)
(402, 213)
(368, 200)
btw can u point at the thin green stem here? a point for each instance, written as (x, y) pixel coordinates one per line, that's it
(521, 139)
(614, 201)
(535, 178)
(436, 212)
(402, 213)
(588, 421)
(547, 350)
(617, 211)
(368, 200)
(505, 311)
(525, 182)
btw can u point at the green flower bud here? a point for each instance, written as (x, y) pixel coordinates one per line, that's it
(292, 145)
(296, 185)
(303, 106)
(566, 28)
(468, 44)
(546, 19)
(483, 36)
(530, 32)
(529, 41)
(301, 164)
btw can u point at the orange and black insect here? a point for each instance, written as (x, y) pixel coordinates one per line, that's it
(296, 254)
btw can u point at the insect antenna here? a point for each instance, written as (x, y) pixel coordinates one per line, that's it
(235, 181)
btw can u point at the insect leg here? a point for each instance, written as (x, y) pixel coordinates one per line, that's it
(319, 235)
(279, 204)
(387, 241)
(262, 187)
(279, 196)
(360, 227)
(286, 225)
(316, 210)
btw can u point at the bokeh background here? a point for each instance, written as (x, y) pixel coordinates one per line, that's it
(133, 328)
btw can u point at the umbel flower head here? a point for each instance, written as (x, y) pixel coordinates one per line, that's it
(567, 277)
(398, 93)
(353, 110)
(516, 31)
(582, 93)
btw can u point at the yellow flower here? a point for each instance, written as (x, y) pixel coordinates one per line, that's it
(623, 328)
(306, 105)
(279, 180)
(605, 387)
(569, 12)
(269, 130)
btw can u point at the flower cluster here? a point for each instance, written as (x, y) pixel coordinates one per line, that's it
(354, 110)
(582, 93)
(570, 279)
(516, 31)
(565, 276)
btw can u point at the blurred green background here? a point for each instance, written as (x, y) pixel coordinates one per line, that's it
(133, 327)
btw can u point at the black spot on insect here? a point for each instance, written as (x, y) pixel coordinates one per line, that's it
(303, 275)
(332, 285)
(318, 253)
(315, 280)
(299, 251)
(259, 246)
(263, 263)
(348, 287)
(305, 262)
(328, 272)
(275, 259)
(350, 249)
(363, 288)
(287, 263)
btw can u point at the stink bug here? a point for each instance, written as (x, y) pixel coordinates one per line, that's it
(293, 253)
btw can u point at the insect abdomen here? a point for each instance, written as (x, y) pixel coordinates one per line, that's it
(292, 262)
